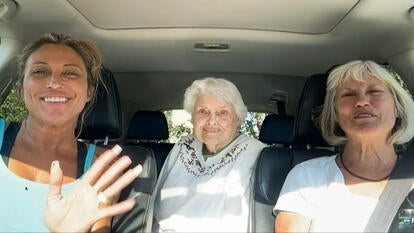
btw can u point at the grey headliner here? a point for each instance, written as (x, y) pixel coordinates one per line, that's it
(274, 45)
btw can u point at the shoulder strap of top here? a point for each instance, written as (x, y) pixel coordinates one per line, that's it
(85, 157)
(2, 125)
(81, 158)
(89, 157)
(8, 138)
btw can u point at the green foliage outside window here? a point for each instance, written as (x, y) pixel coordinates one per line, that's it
(252, 124)
(176, 131)
(13, 108)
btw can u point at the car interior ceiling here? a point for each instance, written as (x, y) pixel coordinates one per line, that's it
(280, 66)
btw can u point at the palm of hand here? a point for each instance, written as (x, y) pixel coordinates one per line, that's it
(74, 211)
(78, 210)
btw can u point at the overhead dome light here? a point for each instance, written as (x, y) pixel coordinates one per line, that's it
(7, 9)
(212, 47)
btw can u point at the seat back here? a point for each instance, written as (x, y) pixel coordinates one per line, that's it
(103, 123)
(149, 129)
(308, 142)
(139, 219)
(275, 162)
(272, 166)
(277, 129)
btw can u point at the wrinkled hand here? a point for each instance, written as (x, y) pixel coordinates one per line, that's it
(79, 209)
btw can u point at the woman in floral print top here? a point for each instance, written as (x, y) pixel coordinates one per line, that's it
(204, 185)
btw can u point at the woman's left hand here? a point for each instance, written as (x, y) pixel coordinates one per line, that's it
(79, 209)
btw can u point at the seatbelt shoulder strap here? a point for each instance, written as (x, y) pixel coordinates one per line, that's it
(394, 193)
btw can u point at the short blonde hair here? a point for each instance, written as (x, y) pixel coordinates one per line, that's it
(403, 129)
(218, 87)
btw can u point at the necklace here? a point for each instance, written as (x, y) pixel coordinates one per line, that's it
(362, 177)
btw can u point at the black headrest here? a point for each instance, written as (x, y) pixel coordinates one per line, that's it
(277, 129)
(105, 118)
(313, 95)
(148, 125)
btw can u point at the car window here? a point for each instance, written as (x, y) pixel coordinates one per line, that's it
(13, 108)
(179, 124)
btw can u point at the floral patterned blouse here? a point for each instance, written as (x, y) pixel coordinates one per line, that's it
(198, 195)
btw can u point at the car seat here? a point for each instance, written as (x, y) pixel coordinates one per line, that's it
(103, 123)
(274, 162)
(149, 129)
(283, 135)
(272, 166)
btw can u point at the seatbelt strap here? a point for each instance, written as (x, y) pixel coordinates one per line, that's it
(394, 193)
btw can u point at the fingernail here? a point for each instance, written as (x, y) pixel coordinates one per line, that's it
(55, 164)
(137, 170)
(116, 149)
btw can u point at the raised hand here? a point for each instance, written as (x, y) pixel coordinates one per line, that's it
(79, 209)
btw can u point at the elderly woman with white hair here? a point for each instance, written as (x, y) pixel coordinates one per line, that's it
(367, 112)
(204, 185)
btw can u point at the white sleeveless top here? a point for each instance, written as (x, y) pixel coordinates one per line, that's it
(22, 201)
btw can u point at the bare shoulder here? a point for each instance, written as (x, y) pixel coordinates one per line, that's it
(291, 222)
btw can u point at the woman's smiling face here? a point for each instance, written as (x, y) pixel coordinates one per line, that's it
(55, 86)
(215, 122)
(365, 107)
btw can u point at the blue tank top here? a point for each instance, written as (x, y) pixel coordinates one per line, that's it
(22, 201)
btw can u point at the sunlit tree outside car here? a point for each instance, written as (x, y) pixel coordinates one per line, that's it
(252, 124)
(13, 108)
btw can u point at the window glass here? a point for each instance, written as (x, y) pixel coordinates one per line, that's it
(179, 124)
(252, 124)
(13, 108)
